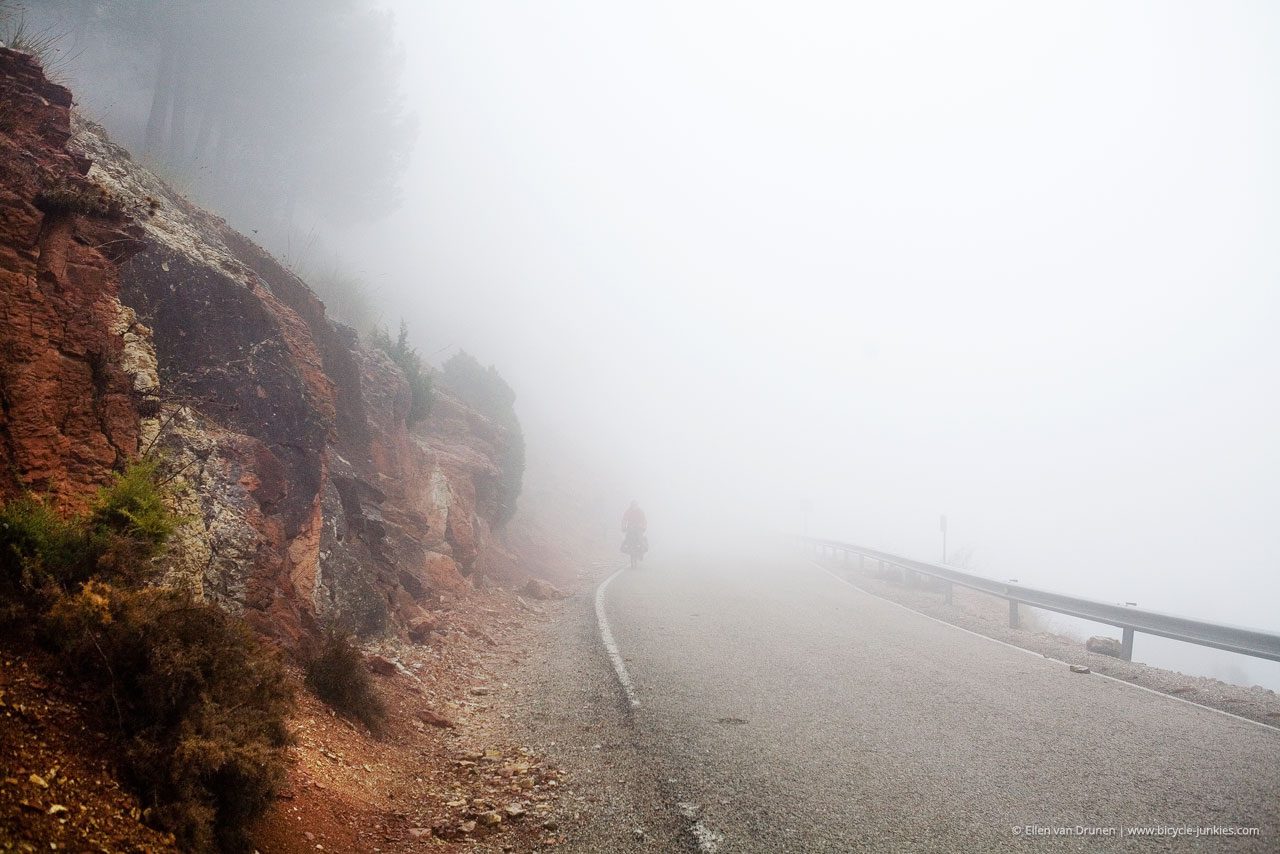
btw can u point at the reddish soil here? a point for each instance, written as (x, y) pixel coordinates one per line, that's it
(468, 786)
(424, 783)
(58, 788)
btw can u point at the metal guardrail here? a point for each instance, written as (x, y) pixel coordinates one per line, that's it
(1254, 642)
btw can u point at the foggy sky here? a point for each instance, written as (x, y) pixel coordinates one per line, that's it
(1010, 262)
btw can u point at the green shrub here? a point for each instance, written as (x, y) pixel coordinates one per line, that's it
(482, 388)
(42, 551)
(131, 521)
(410, 362)
(420, 388)
(336, 673)
(487, 392)
(39, 547)
(42, 43)
(200, 703)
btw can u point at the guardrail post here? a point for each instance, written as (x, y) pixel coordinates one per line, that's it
(1254, 642)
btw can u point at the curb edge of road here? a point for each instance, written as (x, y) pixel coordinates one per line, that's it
(611, 646)
(1032, 652)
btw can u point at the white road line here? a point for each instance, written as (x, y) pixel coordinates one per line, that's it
(1021, 649)
(611, 646)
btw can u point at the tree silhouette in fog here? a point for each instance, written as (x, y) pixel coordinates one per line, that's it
(264, 107)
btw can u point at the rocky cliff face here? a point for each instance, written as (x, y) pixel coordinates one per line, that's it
(136, 323)
(75, 369)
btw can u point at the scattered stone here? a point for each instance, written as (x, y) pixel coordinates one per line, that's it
(536, 588)
(490, 818)
(638, 834)
(514, 810)
(58, 809)
(551, 824)
(1104, 646)
(434, 718)
(421, 627)
(1079, 668)
(381, 666)
(481, 690)
(467, 827)
(480, 634)
(39, 781)
(530, 608)
(419, 832)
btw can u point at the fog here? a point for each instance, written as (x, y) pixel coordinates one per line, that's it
(1013, 263)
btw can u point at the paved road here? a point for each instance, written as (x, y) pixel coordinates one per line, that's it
(783, 710)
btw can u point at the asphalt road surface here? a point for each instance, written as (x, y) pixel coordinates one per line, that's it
(781, 709)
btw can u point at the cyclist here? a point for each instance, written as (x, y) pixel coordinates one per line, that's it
(634, 525)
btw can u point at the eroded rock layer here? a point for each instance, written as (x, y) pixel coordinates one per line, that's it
(134, 322)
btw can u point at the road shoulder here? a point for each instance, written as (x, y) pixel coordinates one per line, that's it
(570, 708)
(987, 616)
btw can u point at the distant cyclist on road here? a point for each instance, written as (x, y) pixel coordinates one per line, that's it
(635, 541)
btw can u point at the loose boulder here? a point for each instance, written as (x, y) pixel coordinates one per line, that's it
(434, 719)
(1104, 646)
(536, 588)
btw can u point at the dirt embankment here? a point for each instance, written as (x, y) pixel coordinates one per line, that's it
(446, 773)
(133, 323)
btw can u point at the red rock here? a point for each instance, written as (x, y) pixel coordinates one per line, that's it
(421, 627)
(381, 666)
(536, 588)
(319, 499)
(71, 409)
(434, 719)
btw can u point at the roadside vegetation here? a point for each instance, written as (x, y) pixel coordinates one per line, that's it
(485, 390)
(417, 374)
(42, 42)
(336, 673)
(198, 702)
